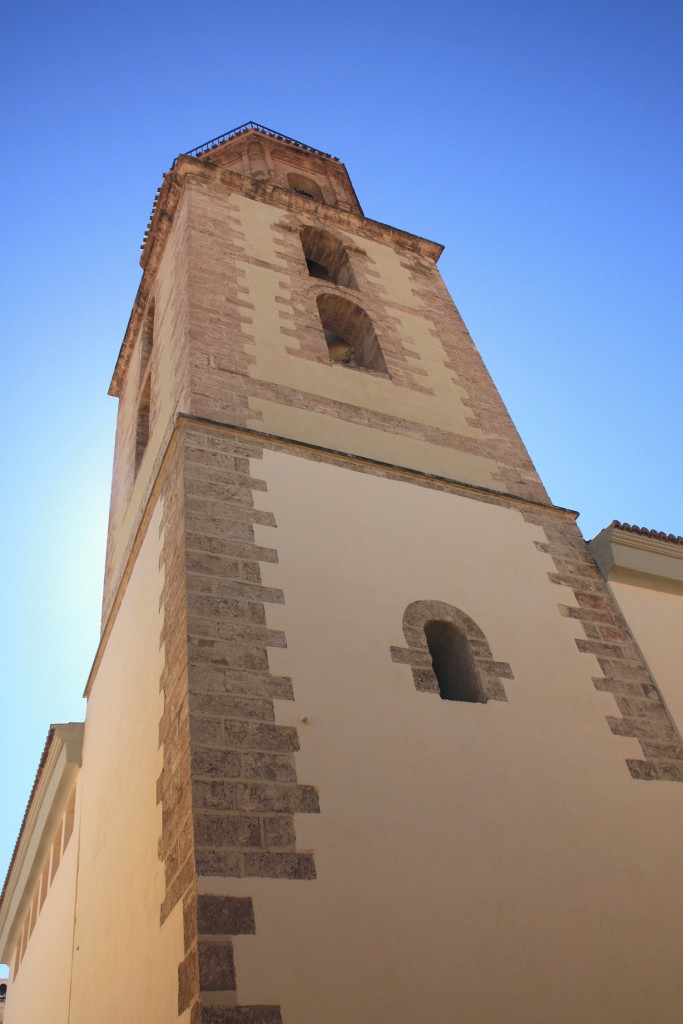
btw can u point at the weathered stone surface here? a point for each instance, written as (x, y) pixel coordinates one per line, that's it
(280, 865)
(225, 915)
(216, 966)
(240, 1015)
(188, 980)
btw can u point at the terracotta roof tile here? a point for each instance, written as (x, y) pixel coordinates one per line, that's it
(671, 538)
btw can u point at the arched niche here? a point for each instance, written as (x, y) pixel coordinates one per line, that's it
(305, 187)
(452, 662)
(450, 655)
(349, 333)
(326, 257)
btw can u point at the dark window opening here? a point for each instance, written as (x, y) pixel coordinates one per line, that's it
(326, 257)
(305, 187)
(349, 333)
(142, 427)
(147, 340)
(453, 663)
(318, 270)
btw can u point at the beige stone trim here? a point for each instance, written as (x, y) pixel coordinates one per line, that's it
(607, 637)
(228, 787)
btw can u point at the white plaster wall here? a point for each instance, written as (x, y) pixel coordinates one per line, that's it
(656, 621)
(478, 863)
(133, 974)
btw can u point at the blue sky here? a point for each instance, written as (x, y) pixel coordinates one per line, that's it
(540, 141)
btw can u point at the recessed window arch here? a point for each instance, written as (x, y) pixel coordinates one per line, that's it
(349, 333)
(305, 187)
(142, 423)
(146, 340)
(326, 257)
(143, 415)
(452, 662)
(450, 655)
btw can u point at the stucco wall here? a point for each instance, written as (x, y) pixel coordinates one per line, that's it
(125, 965)
(656, 619)
(40, 988)
(169, 377)
(474, 862)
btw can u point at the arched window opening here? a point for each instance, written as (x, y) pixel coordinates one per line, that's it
(326, 257)
(147, 340)
(305, 187)
(452, 662)
(349, 333)
(144, 387)
(463, 666)
(142, 427)
(318, 270)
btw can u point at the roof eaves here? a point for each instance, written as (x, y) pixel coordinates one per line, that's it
(670, 538)
(59, 761)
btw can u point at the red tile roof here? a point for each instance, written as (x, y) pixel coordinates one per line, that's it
(671, 538)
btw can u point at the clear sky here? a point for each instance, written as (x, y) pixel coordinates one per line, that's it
(540, 141)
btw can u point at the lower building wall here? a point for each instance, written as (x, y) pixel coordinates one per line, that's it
(478, 862)
(474, 862)
(125, 963)
(40, 988)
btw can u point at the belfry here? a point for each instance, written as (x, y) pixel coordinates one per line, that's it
(368, 736)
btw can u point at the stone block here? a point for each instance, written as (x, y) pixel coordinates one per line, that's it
(216, 967)
(225, 915)
(227, 830)
(280, 865)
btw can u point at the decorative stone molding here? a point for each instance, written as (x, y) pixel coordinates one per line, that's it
(489, 673)
(228, 787)
(633, 554)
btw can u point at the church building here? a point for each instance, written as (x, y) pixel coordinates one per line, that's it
(372, 736)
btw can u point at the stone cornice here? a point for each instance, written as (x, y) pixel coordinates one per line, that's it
(166, 204)
(637, 557)
(57, 770)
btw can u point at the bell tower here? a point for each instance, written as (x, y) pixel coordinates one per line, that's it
(358, 555)
(368, 737)
(264, 287)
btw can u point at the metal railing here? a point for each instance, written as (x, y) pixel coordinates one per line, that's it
(251, 126)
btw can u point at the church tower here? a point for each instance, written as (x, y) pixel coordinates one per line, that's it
(368, 739)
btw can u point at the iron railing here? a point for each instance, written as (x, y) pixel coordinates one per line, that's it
(253, 126)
